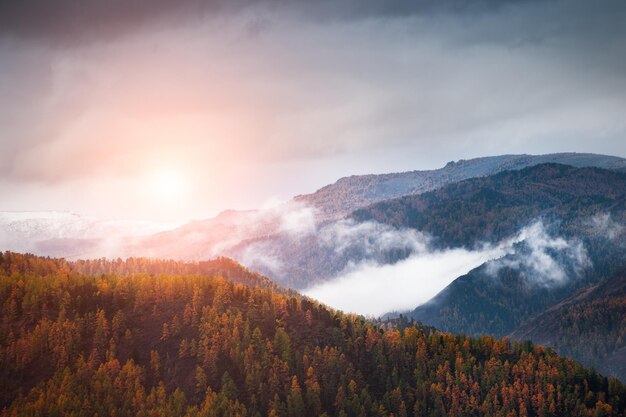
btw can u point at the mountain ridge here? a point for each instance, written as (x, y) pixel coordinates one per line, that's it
(201, 239)
(419, 181)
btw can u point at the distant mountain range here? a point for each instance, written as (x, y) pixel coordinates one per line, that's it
(351, 193)
(494, 207)
(74, 236)
(297, 255)
(70, 235)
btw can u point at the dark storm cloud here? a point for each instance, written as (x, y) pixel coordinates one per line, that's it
(75, 21)
(83, 21)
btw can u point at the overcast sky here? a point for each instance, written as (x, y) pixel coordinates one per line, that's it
(238, 103)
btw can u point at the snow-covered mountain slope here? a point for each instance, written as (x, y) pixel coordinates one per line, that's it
(70, 235)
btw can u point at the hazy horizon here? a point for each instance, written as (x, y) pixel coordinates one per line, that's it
(154, 225)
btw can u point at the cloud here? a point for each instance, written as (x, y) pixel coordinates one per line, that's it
(543, 259)
(92, 20)
(372, 287)
(371, 237)
(300, 250)
(603, 225)
(297, 219)
(390, 269)
(258, 255)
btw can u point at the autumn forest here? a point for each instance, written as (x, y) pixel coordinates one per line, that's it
(162, 338)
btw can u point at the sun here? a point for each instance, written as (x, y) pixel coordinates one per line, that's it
(168, 183)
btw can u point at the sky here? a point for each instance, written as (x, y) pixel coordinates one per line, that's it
(168, 111)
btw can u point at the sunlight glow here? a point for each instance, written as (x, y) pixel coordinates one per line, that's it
(168, 184)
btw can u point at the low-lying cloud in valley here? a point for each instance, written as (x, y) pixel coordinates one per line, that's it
(371, 237)
(544, 259)
(603, 224)
(372, 288)
(367, 267)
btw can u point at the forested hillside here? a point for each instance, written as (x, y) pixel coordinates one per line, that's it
(128, 338)
(492, 208)
(358, 191)
(589, 326)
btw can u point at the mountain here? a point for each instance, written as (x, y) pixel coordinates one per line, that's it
(203, 239)
(491, 208)
(111, 341)
(297, 243)
(466, 214)
(311, 255)
(589, 326)
(351, 193)
(66, 234)
(575, 238)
